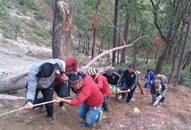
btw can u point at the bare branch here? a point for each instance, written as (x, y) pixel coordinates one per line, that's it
(111, 50)
(155, 14)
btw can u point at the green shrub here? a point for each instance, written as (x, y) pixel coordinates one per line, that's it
(28, 3)
(185, 78)
(39, 15)
(7, 34)
(3, 9)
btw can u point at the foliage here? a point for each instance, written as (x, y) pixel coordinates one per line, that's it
(28, 3)
(39, 15)
(185, 78)
(3, 9)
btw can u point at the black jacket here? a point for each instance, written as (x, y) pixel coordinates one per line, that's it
(113, 79)
(129, 78)
(157, 93)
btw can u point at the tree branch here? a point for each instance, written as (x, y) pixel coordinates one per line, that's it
(155, 14)
(111, 50)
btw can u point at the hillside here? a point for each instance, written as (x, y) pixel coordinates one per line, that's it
(174, 114)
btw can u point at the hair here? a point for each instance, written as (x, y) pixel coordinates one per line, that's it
(131, 66)
(46, 70)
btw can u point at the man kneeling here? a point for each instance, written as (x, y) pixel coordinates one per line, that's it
(89, 99)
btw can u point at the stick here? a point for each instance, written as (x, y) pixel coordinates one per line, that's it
(142, 92)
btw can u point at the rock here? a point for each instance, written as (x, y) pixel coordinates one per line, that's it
(136, 110)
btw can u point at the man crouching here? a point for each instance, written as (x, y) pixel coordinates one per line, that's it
(158, 91)
(89, 99)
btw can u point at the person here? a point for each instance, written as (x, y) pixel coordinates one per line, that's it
(62, 88)
(89, 99)
(102, 84)
(111, 76)
(158, 91)
(128, 81)
(162, 78)
(149, 78)
(71, 65)
(41, 79)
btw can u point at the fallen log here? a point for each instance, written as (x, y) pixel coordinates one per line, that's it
(10, 97)
(13, 82)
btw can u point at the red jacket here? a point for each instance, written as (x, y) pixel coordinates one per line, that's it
(103, 85)
(71, 65)
(90, 95)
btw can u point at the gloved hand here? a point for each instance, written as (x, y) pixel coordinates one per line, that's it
(129, 90)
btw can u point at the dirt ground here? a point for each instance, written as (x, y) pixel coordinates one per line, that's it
(174, 114)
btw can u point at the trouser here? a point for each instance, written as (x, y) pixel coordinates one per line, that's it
(129, 94)
(90, 115)
(62, 90)
(105, 105)
(47, 96)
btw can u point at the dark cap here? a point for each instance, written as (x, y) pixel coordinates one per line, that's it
(45, 70)
(131, 66)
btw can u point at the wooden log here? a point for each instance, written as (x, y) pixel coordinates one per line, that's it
(13, 82)
(10, 97)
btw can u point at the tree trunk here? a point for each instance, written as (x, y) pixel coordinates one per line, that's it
(162, 59)
(61, 31)
(156, 54)
(187, 60)
(13, 83)
(125, 36)
(185, 31)
(148, 51)
(95, 30)
(115, 30)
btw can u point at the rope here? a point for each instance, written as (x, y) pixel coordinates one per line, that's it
(19, 109)
(35, 105)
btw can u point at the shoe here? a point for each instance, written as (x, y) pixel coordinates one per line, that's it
(128, 101)
(51, 119)
(85, 125)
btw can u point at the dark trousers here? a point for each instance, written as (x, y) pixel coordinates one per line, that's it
(129, 94)
(47, 96)
(62, 90)
(105, 105)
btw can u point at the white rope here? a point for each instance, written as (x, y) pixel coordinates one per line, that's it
(19, 109)
(35, 105)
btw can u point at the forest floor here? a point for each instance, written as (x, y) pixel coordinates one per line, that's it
(174, 114)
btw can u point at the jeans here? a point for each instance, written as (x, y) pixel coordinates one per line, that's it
(91, 115)
(62, 90)
(105, 105)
